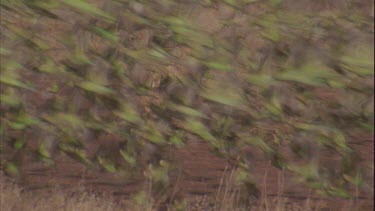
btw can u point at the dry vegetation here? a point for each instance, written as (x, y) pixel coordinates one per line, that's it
(15, 198)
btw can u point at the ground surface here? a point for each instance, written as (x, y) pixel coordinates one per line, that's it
(203, 174)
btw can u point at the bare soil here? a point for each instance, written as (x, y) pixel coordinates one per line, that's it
(201, 173)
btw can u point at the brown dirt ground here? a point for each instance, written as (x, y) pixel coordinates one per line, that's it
(202, 175)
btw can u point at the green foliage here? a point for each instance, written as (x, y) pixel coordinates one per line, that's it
(85, 7)
(153, 73)
(196, 127)
(11, 169)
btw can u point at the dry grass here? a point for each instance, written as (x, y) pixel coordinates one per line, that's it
(232, 197)
(12, 198)
(228, 198)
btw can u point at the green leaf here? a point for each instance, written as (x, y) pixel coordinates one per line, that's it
(85, 7)
(199, 129)
(159, 53)
(47, 5)
(108, 165)
(134, 18)
(226, 97)
(48, 67)
(274, 107)
(10, 77)
(367, 126)
(330, 136)
(313, 73)
(45, 154)
(311, 127)
(129, 114)
(177, 139)
(151, 133)
(120, 68)
(276, 2)
(159, 174)
(360, 60)
(241, 176)
(128, 158)
(336, 84)
(4, 51)
(233, 3)
(67, 123)
(14, 82)
(106, 34)
(71, 119)
(257, 141)
(340, 141)
(271, 34)
(360, 68)
(19, 143)
(95, 87)
(357, 180)
(300, 77)
(187, 110)
(10, 100)
(140, 198)
(27, 120)
(41, 44)
(11, 169)
(250, 1)
(340, 192)
(262, 80)
(308, 171)
(54, 88)
(75, 153)
(219, 66)
(43, 151)
(177, 21)
(79, 57)
(22, 121)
